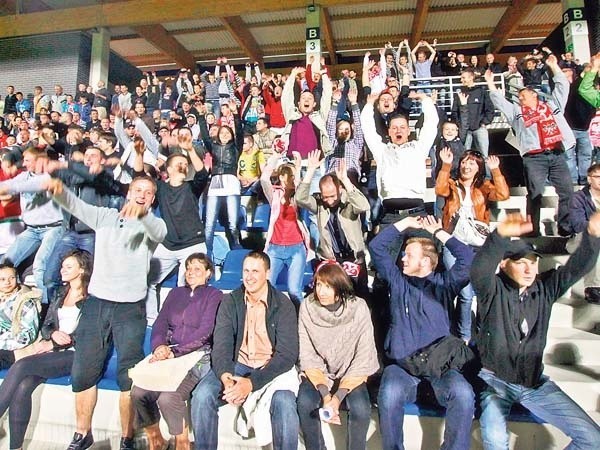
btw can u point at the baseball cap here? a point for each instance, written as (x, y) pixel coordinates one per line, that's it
(520, 249)
(129, 123)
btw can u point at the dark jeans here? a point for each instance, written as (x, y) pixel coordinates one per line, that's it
(20, 382)
(452, 391)
(357, 404)
(102, 325)
(206, 400)
(551, 166)
(69, 241)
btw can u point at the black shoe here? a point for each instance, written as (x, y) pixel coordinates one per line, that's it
(81, 442)
(592, 295)
(126, 444)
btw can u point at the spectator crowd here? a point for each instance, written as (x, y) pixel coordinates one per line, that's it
(104, 194)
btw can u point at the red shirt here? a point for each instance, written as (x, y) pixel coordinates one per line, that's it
(286, 230)
(11, 208)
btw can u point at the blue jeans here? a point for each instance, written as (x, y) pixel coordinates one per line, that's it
(206, 400)
(358, 405)
(294, 257)
(69, 241)
(452, 391)
(213, 205)
(464, 300)
(546, 401)
(41, 239)
(579, 157)
(552, 167)
(309, 218)
(480, 138)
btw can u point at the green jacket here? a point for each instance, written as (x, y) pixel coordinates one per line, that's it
(588, 91)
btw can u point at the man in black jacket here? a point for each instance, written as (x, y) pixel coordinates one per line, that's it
(255, 341)
(480, 112)
(514, 308)
(178, 203)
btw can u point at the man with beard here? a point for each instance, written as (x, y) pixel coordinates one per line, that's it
(338, 211)
(178, 203)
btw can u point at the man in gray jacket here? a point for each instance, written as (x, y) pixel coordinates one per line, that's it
(543, 135)
(114, 312)
(338, 209)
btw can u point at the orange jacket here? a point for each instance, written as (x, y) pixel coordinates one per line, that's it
(488, 192)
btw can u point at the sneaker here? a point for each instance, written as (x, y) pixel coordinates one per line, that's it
(126, 444)
(592, 295)
(81, 442)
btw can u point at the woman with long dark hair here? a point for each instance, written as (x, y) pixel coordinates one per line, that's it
(337, 355)
(52, 356)
(224, 187)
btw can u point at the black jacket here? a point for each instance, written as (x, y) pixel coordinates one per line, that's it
(480, 109)
(504, 350)
(51, 321)
(225, 156)
(94, 189)
(282, 328)
(578, 112)
(179, 209)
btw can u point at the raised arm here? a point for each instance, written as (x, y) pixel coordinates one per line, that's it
(498, 99)
(560, 93)
(587, 89)
(367, 120)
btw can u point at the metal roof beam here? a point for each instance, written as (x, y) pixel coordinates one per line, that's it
(509, 23)
(239, 30)
(328, 35)
(419, 21)
(160, 38)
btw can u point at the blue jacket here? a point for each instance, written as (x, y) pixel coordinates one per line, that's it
(581, 208)
(420, 308)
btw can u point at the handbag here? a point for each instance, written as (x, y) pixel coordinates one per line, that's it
(467, 229)
(166, 375)
(437, 358)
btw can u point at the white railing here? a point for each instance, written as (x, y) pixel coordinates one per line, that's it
(446, 88)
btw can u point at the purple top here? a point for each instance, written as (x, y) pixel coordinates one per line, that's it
(303, 138)
(187, 319)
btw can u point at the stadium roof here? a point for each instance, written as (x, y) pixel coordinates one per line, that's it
(161, 34)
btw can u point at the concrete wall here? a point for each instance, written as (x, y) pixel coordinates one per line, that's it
(62, 58)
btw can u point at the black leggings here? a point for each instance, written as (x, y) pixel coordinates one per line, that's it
(20, 382)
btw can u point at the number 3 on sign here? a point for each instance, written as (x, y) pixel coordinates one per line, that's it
(313, 46)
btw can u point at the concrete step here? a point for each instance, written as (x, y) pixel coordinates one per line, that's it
(581, 383)
(572, 347)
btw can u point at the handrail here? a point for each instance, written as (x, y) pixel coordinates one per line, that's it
(446, 87)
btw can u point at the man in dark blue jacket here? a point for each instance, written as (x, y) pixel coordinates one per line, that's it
(582, 207)
(255, 341)
(421, 306)
(514, 308)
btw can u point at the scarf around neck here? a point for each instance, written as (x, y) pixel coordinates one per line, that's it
(542, 116)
